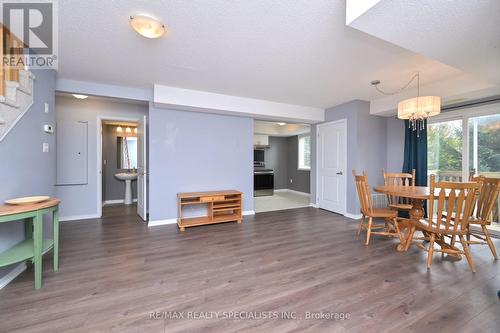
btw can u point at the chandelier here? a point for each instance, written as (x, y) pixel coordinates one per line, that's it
(416, 110)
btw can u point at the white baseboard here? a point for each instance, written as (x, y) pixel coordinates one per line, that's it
(115, 202)
(353, 216)
(293, 191)
(78, 217)
(161, 222)
(313, 205)
(12, 274)
(174, 220)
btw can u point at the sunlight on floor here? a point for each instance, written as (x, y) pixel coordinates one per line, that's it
(280, 201)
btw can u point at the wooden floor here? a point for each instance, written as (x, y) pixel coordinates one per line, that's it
(115, 272)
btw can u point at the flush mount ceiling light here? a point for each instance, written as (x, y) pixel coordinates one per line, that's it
(416, 110)
(119, 129)
(80, 96)
(281, 124)
(147, 26)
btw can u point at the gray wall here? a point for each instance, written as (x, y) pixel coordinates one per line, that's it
(80, 201)
(366, 146)
(113, 189)
(276, 158)
(192, 151)
(298, 180)
(282, 157)
(25, 170)
(395, 144)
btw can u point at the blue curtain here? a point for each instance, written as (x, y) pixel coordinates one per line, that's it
(415, 153)
(415, 157)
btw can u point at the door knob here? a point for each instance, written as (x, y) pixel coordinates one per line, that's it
(339, 173)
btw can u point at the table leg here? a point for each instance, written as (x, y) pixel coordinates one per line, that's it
(28, 228)
(416, 213)
(37, 244)
(55, 226)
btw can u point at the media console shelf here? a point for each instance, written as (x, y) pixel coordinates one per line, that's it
(223, 206)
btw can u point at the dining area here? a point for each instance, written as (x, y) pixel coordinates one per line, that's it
(445, 217)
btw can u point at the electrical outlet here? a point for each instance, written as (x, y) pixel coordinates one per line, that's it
(45, 147)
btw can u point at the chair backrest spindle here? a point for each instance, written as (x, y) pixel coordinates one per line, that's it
(455, 205)
(364, 193)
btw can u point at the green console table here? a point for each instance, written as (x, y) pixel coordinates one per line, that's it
(34, 246)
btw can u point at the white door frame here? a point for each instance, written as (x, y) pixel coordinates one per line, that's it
(100, 119)
(344, 121)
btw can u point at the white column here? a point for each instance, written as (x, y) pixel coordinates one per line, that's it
(128, 192)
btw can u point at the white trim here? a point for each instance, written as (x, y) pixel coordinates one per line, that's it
(156, 223)
(161, 222)
(353, 216)
(78, 217)
(343, 120)
(314, 205)
(115, 202)
(292, 191)
(100, 119)
(4, 281)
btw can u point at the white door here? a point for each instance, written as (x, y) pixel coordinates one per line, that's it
(142, 169)
(332, 164)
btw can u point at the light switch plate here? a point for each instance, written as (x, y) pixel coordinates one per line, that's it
(46, 108)
(48, 129)
(45, 147)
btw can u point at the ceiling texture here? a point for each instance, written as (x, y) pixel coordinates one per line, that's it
(297, 52)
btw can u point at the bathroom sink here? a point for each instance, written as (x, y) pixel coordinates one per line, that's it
(126, 176)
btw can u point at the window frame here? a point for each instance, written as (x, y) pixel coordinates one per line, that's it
(299, 137)
(464, 114)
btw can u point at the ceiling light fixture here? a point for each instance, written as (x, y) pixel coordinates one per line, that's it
(147, 26)
(119, 129)
(416, 110)
(80, 96)
(135, 130)
(281, 124)
(128, 130)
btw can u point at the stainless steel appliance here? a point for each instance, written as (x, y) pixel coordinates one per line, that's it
(263, 182)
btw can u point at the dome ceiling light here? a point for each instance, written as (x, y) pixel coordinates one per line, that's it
(147, 26)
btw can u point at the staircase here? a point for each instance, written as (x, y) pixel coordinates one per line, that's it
(16, 86)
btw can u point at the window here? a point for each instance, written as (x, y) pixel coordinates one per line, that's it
(465, 140)
(304, 152)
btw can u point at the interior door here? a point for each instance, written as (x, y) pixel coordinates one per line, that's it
(142, 169)
(332, 164)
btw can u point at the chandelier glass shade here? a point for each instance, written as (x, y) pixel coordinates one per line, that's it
(421, 107)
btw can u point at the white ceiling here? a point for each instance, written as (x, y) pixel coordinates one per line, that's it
(463, 34)
(272, 128)
(297, 52)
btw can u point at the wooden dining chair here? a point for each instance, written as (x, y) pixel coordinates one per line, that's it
(390, 226)
(481, 216)
(455, 204)
(399, 179)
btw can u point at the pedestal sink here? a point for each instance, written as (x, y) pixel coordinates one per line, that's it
(128, 177)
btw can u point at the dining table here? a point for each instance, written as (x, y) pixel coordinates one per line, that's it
(418, 195)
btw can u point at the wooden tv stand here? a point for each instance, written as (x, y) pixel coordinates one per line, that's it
(223, 206)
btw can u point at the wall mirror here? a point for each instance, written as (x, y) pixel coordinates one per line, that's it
(126, 152)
